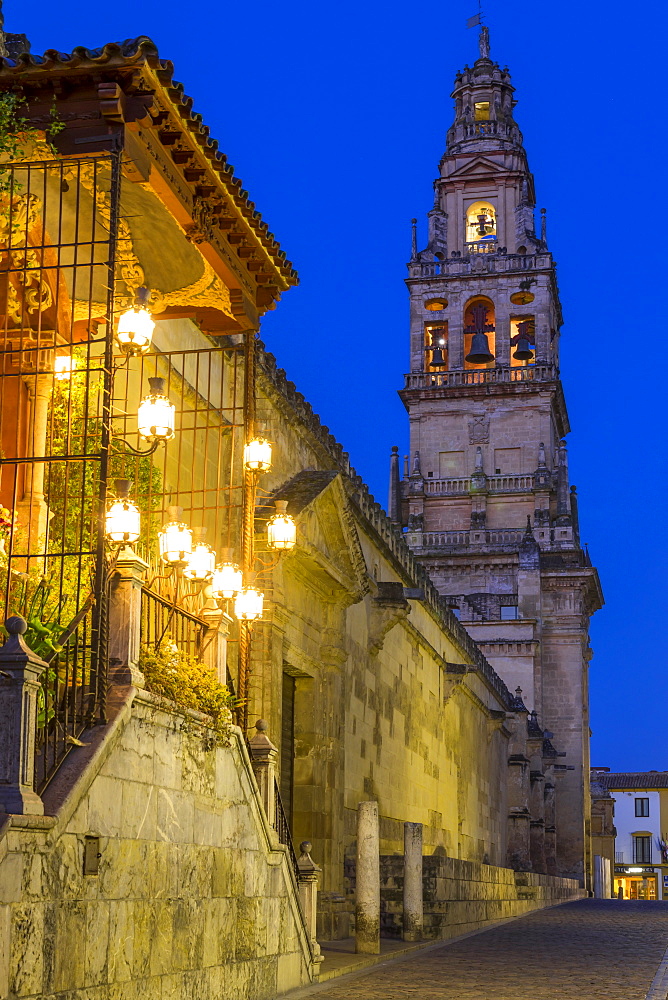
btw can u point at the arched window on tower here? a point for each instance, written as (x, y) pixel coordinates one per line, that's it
(479, 333)
(436, 346)
(481, 227)
(522, 341)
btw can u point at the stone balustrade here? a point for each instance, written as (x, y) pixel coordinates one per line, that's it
(475, 260)
(495, 484)
(480, 376)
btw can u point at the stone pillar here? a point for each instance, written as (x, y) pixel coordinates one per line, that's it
(308, 894)
(31, 509)
(264, 756)
(413, 905)
(125, 618)
(20, 670)
(214, 652)
(367, 881)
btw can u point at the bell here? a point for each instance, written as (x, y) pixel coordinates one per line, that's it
(437, 359)
(479, 353)
(523, 352)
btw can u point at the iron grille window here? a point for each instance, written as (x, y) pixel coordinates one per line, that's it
(642, 807)
(642, 850)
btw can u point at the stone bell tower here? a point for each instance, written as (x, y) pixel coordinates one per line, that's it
(486, 498)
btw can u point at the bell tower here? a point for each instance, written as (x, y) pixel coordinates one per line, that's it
(485, 500)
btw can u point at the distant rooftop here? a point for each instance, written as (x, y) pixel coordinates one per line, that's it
(634, 779)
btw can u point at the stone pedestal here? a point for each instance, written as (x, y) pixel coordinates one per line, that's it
(367, 881)
(413, 905)
(214, 653)
(125, 618)
(308, 894)
(20, 671)
(264, 756)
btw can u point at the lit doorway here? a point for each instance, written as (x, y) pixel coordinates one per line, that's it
(636, 886)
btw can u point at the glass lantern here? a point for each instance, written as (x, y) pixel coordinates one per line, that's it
(257, 455)
(122, 523)
(155, 416)
(248, 604)
(135, 326)
(176, 540)
(63, 367)
(227, 581)
(281, 528)
(202, 560)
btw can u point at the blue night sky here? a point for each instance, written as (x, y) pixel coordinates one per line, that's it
(335, 117)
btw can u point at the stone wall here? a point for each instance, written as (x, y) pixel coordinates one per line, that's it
(463, 896)
(194, 897)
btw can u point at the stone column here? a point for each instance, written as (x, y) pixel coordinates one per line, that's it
(413, 905)
(308, 894)
(32, 509)
(367, 881)
(214, 653)
(125, 618)
(264, 756)
(20, 670)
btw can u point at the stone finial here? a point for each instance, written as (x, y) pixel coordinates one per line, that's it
(483, 42)
(416, 464)
(394, 501)
(543, 225)
(20, 671)
(414, 239)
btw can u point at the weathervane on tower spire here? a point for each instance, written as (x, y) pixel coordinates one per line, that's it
(483, 38)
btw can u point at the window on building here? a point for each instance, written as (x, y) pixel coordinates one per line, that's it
(642, 807)
(479, 323)
(481, 224)
(436, 346)
(642, 849)
(522, 341)
(481, 111)
(508, 612)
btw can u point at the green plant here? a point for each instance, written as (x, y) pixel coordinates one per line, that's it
(189, 683)
(17, 135)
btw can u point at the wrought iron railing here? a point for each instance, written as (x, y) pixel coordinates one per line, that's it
(282, 828)
(162, 620)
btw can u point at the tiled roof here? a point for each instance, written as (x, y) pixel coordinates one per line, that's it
(142, 53)
(637, 779)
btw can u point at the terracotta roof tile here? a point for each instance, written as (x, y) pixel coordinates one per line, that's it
(635, 779)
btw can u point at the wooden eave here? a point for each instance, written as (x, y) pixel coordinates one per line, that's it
(125, 94)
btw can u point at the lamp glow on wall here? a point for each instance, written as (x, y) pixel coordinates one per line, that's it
(135, 326)
(281, 528)
(63, 367)
(249, 604)
(227, 578)
(156, 415)
(257, 455)
(122, 521)
(202, 561)
(176, 540)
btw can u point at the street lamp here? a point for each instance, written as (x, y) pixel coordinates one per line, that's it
(122, 520)
(257, 455)
(135, 326)
(63, 367)
(202, 560)
(155, 416)
(281, 528)
(176, 540)
(248, 604)
(227, 578)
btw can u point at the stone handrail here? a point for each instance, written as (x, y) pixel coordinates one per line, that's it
(480, 376)
(491, 536)
(495, 484)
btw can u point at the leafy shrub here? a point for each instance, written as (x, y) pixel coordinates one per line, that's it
(189, 683)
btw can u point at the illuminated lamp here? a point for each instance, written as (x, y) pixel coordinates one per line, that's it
(227, 578)
(155, 416)
(135, 326)
(175, 538)
(281, 528)
(634, 871)
(63, 367)
(257, 455)
(122, 520)
(202, 560)
(248, 604)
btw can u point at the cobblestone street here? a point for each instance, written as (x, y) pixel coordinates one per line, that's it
(582, 950)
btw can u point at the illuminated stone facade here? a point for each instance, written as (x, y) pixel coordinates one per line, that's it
(486, 498)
